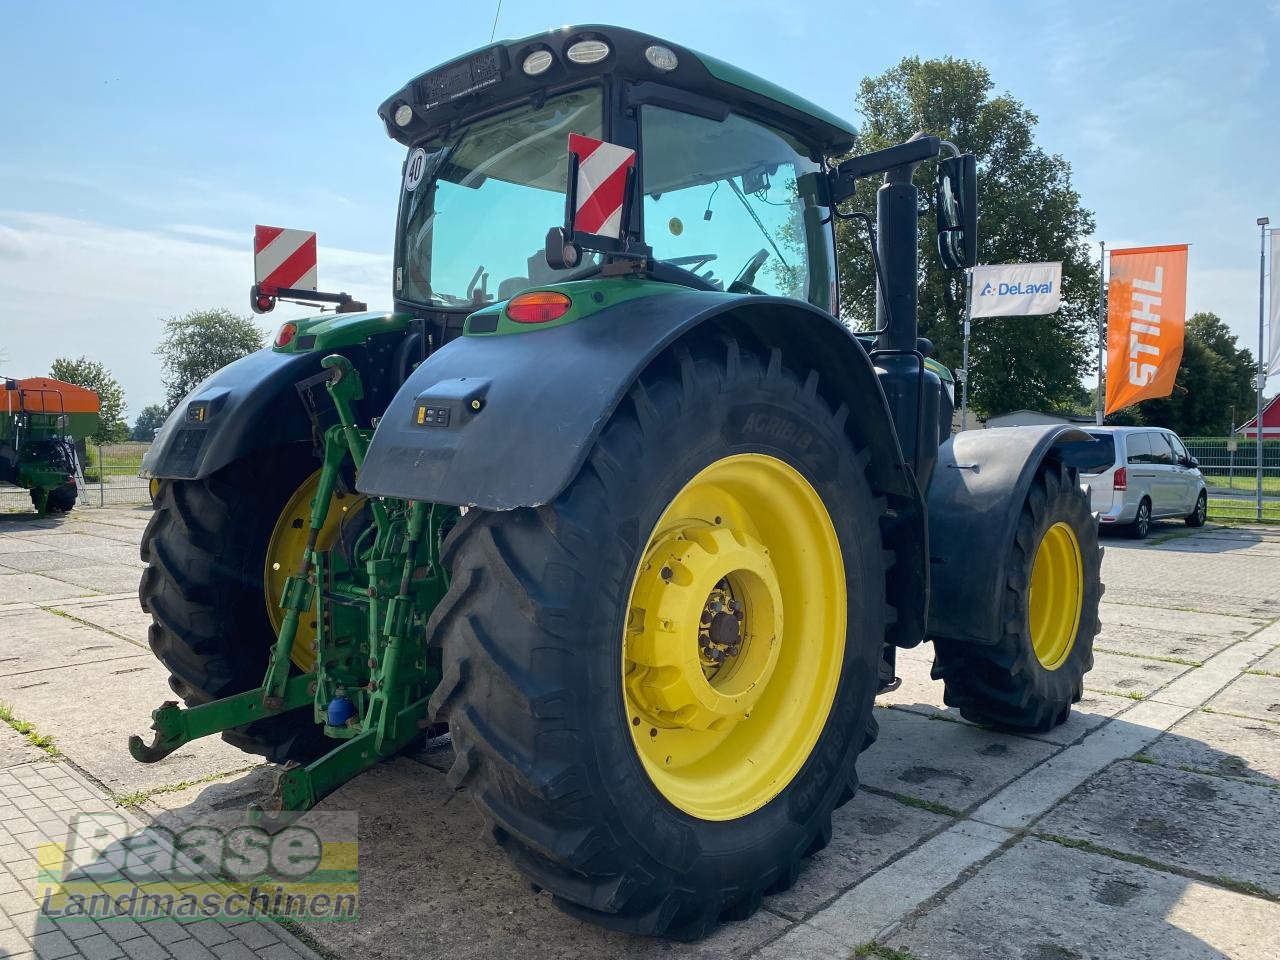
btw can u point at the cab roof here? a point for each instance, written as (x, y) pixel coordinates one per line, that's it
(493, 76)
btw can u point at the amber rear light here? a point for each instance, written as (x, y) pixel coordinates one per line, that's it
(286, 333)
(538, 306)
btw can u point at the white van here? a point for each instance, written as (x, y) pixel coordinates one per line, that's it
(1138, 474)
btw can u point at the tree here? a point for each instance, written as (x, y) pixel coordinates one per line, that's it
(1028, 211)
(149, 421)
(196, 345)
(1215, 375)
(92, 375)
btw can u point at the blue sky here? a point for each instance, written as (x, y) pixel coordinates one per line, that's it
(142, 141)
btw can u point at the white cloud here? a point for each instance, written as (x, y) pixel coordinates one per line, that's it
(77, 287)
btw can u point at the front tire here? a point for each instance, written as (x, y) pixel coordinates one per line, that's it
(60, 500)
(1028, 677)
(1197, 516)
(545, 608)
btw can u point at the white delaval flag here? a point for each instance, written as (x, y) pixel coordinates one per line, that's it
(1273, 354)
(1016, 289)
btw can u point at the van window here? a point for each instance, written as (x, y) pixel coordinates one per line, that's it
(1179, 451)
(1161, 452)
(1139, 448)
(1090, 456)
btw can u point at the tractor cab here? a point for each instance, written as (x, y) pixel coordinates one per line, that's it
(728, 191)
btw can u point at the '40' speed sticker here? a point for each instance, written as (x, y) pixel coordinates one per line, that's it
(414, 169)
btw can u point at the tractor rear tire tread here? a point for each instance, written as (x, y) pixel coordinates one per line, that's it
(202, 585)
(526, 730)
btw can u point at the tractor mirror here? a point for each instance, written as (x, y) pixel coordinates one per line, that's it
(957, 202)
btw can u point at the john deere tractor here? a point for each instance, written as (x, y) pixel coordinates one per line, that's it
(611, 495)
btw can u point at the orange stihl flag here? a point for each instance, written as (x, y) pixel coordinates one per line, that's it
(1146, 313)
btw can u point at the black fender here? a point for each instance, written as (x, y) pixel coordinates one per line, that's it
(506, 421)
(974, 501)
(248, 405)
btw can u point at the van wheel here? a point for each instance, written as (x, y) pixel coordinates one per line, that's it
(1197, 516)
(1141, 525)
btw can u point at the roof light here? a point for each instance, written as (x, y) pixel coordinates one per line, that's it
(661, 58)
(538, 306)
(587, 51)
(404, 115)
(538, 62)
(286, 333)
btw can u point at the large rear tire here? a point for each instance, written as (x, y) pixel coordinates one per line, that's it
(203, 586)
(643, 811)
(1030, 675)
(61, 499)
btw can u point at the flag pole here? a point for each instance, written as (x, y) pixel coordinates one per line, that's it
(1262, 363)
(964, 362)
(1102, 326)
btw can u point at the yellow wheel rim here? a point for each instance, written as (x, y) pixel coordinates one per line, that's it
(735, 637)
(284, 553)
(1056, 595)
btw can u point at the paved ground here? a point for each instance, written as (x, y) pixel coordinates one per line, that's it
(1147, 826)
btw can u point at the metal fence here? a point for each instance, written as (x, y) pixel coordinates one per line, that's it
(110, 479)
(1231, 471)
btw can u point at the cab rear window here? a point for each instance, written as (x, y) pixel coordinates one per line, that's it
(1090, 456)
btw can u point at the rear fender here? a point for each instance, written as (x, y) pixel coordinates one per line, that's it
(974, 502)
(506, 421)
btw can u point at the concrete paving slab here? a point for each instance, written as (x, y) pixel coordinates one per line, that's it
(16, 749)
(123, 617)
(1270, 663)
(1251, 696)
(13, 545)
(1032, 795)
(1042, 901)
(36, 640)
(866, 832)
(1168, 619)
(921, 694)
(1210, 825)
(881, 901)
(1113, 673)
(91, 709)
(39, 561)
(125, 533)
(33, 587)
(1223, 745)
(1145, 642)
(433, 885)
(70, 542)
(954, 764)
(101, 577)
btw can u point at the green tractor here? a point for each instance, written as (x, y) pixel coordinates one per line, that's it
(612, 496)
(43, 426)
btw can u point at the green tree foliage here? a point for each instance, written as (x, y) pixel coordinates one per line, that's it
(196, 345)
(1215, 375)
(149, 421)
(92, 375)
(1028, 212)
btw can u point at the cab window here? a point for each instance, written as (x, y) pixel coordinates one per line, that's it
(1161, 452)
(1138, 448)
(735, 202)
(1179, 451)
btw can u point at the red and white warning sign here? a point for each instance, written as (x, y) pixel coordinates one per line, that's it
(283, 259)
(602, 184)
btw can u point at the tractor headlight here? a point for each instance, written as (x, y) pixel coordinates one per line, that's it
(538, 63)
(403, 115)
(587, 51)
(661, 58)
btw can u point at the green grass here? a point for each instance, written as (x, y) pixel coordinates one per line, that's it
(1246, 482)
(27, 729)
(138, 797)
(1236, 510)
(118, 460)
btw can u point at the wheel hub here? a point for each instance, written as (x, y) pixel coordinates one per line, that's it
(704, 629)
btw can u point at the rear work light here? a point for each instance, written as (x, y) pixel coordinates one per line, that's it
(1121, 480)
(286, 333)
(538, 306)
